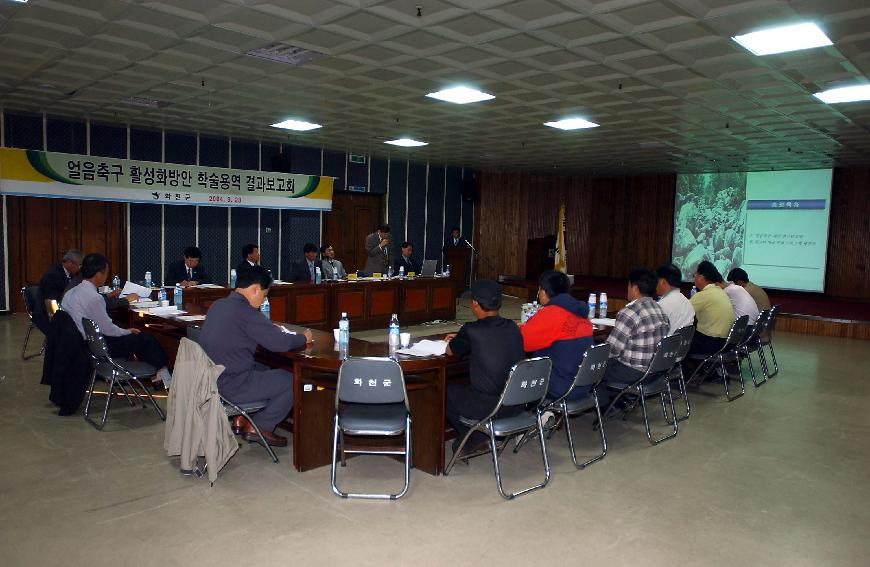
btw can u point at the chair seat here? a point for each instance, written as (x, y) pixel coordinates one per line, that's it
(134, 367)
(502, 426)
(373, 419)
(583, 404)
(247, 407)
(650, 388)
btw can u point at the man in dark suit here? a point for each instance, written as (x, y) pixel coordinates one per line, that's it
(52, 286)
(455, 240)
(378, 251)
(404, 260)
(303, 269)
(250, 257)
(188, 271)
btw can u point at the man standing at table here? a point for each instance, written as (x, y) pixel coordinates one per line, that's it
(233, 329)
(332, 269)
(303, 270)
(250, 258)
(405, 261)
(378, 251)
(494, 345)
(85, 301)
(454, 240)
(187, 271)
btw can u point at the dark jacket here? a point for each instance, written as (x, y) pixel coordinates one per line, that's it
(243, 265)
(67, 366)
(410, 264)
(177, 273)
(299, 270)
(561, 331)
(51, 286)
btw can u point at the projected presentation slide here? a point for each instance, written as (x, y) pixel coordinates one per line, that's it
(773, 224)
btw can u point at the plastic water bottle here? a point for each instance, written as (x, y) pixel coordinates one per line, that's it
(264, 309)
(395, 338)
(116, 282)
(318, 277)
(233, 277)
(161, 295)
(447, 270)
(176, 296)
(343, 330)
(389, 272)
(147, 279)
(401, 272)
(602, 306)
(592, 302)
(693, 292)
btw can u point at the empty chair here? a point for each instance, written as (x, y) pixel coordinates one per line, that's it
(526, 384)
(115, 373)
(686, 335)
(30, 295)
(725, 354)
(371, 401)
(767, 339)
(752, 343)
(655, 381)
(243, 409)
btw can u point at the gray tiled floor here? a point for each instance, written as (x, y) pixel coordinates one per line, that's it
(779, 477)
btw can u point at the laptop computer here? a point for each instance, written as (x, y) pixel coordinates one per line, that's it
(428, 268)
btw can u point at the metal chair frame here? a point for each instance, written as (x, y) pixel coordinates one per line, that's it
(29, 307)
(655, 381)
(735, 336)
(771, 323)
(489, 425)
(752, 343)
(676, 374)
(339, 431)
(118, 376)
(244, 409)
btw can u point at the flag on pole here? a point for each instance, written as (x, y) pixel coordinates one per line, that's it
(561, 256)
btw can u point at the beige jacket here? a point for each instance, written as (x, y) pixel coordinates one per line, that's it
(196, 423)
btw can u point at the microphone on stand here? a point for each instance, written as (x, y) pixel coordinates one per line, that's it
(467, 243)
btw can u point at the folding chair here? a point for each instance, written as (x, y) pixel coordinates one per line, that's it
(30, 295)
(371, 401)
(752, 343)
(526, 384)
(710, 361)
(590, 373)
(676, 374)
(116, 373)
(243, 409)
(655, 381)
(767, 339)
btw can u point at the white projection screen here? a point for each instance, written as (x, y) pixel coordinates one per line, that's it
(773, 224)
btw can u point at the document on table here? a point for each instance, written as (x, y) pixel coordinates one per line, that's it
(145, 303)
(191, 318)
(604, 322)
(209, 286)
(285, 330)
(139, 290)
(425, 348)
(169, 311)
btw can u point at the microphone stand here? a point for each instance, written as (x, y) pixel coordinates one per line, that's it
(476, 252)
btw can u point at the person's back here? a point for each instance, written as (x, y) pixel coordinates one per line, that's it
(494, 345)
(639, 326)
(678, 309)
(741, 302)
(713, 311)
(759, 295)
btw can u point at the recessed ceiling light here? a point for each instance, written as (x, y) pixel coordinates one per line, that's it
(298, 125)
(461, 95)
(845, 94)
(571, 124)
(406, 143)
(783, 39)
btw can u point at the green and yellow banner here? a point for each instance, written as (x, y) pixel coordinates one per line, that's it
(50, 174)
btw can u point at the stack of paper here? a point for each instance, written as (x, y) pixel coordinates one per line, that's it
(191, 318)
(145, 303)
(139, 290)
(209, 286)
(604, 322)
(169, 311)
(425, 348)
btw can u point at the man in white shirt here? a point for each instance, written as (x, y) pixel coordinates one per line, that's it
(675, 305)
(741, 301)
(85, 301)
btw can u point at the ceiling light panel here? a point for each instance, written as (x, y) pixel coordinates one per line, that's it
(845, 94)
(571, 124)
(784, 39)
(406, 143)
(461, 95)
(297, 125)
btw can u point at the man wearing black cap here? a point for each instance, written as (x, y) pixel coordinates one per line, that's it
(494, 345)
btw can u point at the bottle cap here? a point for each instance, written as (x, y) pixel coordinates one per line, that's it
(343, 314)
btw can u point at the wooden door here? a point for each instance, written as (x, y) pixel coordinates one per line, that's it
(353, 217)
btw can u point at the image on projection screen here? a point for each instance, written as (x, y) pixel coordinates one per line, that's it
(773, 224)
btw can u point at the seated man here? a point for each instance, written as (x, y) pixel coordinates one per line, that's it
(741, 278)
(250, 257)
(494, 345)
(559, 330)
(232, 331)
(675, 305)
(303, 269)
(639, 327)
(85, 301)
(713, 311)
(741, 301)
(187, 271)
(332, 269)
(404, 260)
(52, 286)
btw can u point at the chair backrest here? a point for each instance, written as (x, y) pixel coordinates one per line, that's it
(527, 382)
(664, 357)
(370, 380)
(193, 333)
(738, 331)
(30, 295)
(593, 367)
(686, 335)
(774, 311)
(95, 339)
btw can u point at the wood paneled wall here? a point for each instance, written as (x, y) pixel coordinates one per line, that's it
(41, 230)
(613, 223)
(848, 272)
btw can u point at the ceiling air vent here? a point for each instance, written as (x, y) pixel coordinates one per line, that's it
(289, 54)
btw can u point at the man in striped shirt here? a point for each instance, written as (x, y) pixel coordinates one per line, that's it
(639, 326)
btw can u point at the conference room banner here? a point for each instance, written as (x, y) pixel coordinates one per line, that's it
(50, 174)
